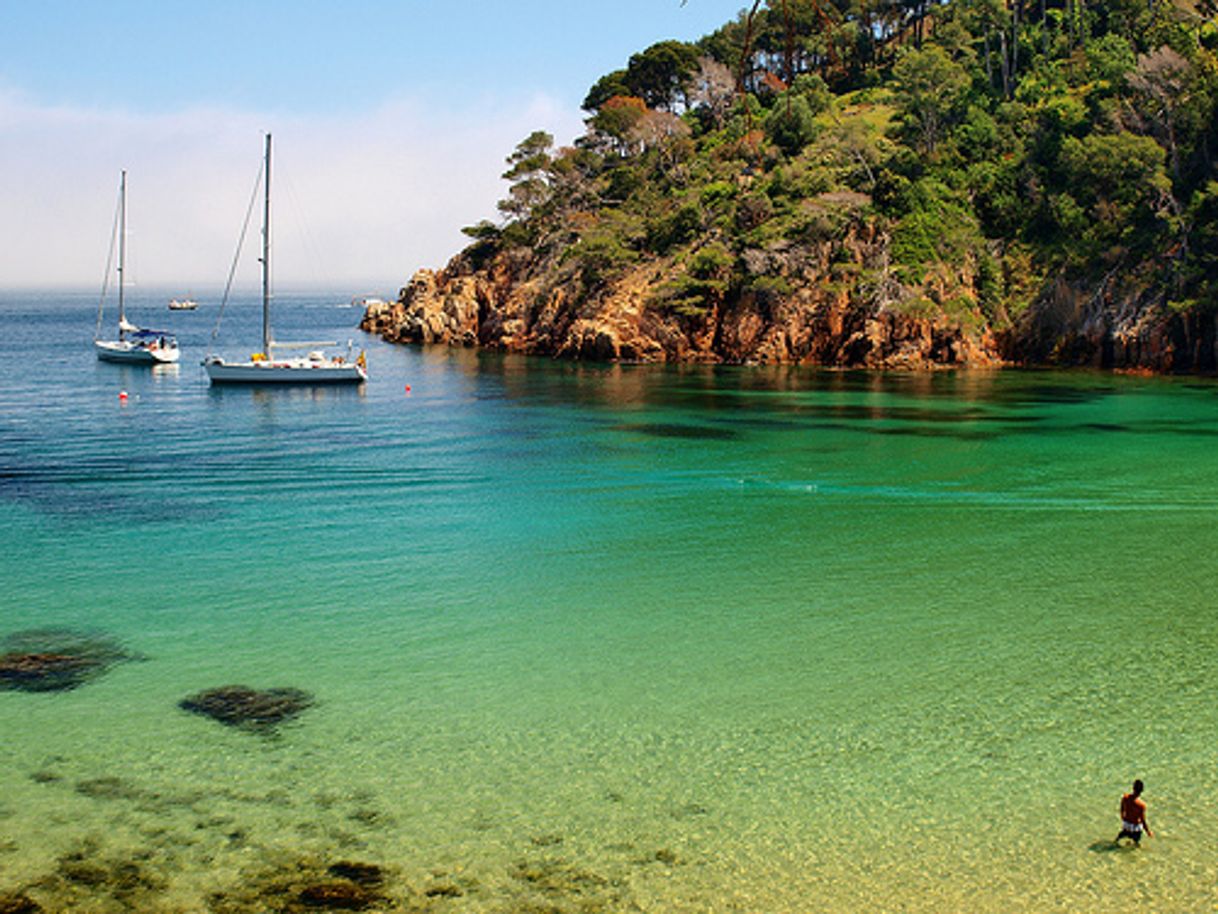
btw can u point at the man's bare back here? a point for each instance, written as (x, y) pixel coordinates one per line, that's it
(1133, 815)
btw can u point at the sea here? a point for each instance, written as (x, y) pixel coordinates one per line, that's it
(582, 637)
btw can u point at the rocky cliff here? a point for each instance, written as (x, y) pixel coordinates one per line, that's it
(1122, 322)
(818, 311)
(515, 304)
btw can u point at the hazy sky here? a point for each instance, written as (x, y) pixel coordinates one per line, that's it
(391, 121)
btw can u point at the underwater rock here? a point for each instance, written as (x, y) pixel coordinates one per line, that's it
(83, 873)
(86, 880)
(557, 885)
(44, 672)
(148, 799)
(558, 877)
(18, 903)
(56, 660)
(340, 896)
(366, 874)
(369, 817)
(108, 788)
(241, 706)
(304, 885)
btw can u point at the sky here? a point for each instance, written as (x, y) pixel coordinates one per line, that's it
(391, 121)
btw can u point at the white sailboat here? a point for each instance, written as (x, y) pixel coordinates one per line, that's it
(135, 345)
(268, 366)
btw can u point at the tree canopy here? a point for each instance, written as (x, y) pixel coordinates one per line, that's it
(994, 147)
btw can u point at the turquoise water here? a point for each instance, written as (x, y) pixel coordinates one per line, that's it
(609, 638)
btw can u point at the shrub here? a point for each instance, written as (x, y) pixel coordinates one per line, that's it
(599, 258)
(753, 211)
(706, 281)
(791, 125)
(679, 227)
(717, 193)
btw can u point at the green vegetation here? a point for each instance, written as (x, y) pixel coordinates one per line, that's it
(985, 149)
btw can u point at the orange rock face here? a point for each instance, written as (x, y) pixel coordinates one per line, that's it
(518, 305)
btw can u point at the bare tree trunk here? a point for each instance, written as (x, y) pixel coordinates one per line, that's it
(745, 54)
(989, 66)
(1004, 63)
(1173, 150)
(788, 50)
(869, 31)
(1015, 40)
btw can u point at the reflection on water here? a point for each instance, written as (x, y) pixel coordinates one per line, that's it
(676, 430)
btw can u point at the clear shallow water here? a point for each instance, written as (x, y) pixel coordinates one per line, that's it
(610, 638)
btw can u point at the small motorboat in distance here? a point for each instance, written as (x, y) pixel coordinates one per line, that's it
(183, 304)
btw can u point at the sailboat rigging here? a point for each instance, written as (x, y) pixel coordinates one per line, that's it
(267, 367)
(135, 345)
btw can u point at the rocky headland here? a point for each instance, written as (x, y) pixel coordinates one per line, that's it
(515, 304)
(958, 190)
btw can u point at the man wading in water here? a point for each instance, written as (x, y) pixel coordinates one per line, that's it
(1133, 816)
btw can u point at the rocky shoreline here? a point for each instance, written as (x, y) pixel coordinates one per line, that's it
(511, 306)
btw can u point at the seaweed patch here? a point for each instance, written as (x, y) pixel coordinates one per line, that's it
(253, 709)
(56, 660)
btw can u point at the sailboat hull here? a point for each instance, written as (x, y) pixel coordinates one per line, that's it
(294, 371)
(265, 368)
(130, 353)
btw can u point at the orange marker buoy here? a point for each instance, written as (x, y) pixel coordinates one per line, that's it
(122, 395)
(407, 388)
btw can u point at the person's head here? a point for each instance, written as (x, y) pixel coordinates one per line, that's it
(1137, 787)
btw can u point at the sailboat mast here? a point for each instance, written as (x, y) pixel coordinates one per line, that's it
(122, 251)
(266, 253)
